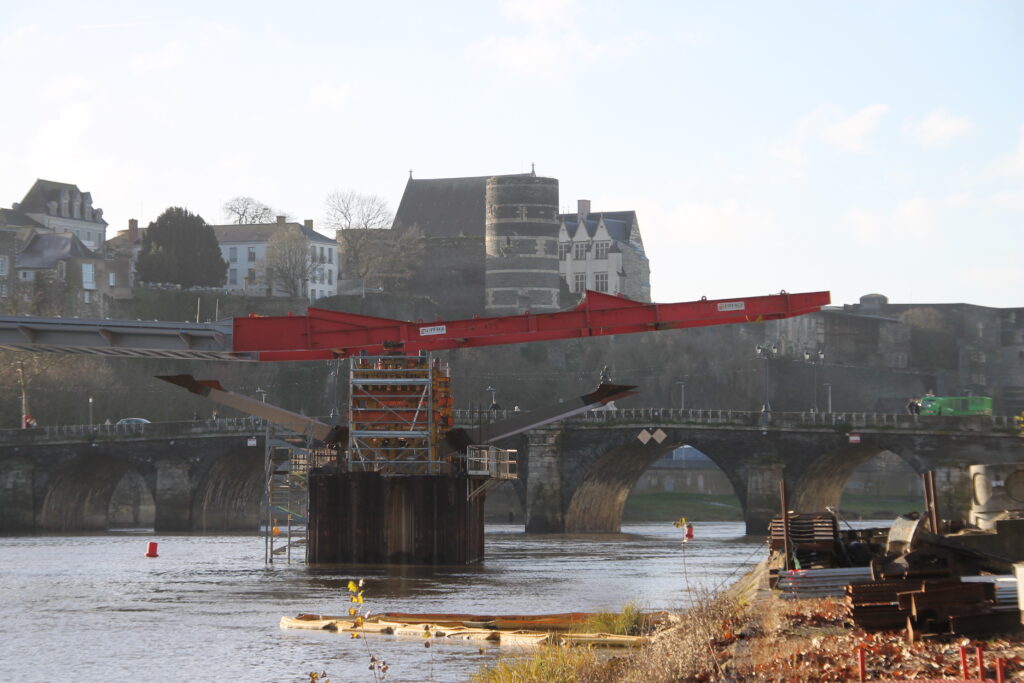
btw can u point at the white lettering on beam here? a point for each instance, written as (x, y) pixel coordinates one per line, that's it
(434, 329)
(732, 306)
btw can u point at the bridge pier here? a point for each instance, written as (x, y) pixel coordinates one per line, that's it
(173, 496)
(17, 502)
(763, 501)
(544, 507)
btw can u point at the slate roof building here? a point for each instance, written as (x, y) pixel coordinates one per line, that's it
(52, 254)
(244, 247)
(603, 252)
(60, 207)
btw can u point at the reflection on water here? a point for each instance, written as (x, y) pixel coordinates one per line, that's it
(92, 608)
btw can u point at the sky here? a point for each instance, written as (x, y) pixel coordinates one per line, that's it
(855, 147)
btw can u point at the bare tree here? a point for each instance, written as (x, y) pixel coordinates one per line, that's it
(357, 220)
(247, 211)
(289, 261)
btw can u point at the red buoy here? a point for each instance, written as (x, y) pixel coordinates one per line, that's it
(151, 549)
(689, 531)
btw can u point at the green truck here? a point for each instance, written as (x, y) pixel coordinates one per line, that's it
(956, 405)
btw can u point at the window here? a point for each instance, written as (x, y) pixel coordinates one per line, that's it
(88, 276)
(3, 290)
(3, 265)
(233, 254)
(580, 280)
(88, 236)
(601, 282)
(579, 251)
(312, 254)
(111, 280)
(323, 256)
(252, 254)
(251, 277)
(563, 250)
(312, 295)
(330, 276)
(233, 276)
(330, 254)
(601, 251)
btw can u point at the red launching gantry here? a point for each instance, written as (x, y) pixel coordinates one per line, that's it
(326, 335)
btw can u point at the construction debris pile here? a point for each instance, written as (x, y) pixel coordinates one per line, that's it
(922, 579)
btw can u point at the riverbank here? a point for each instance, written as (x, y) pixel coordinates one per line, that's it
(671, 505)
(746, 634)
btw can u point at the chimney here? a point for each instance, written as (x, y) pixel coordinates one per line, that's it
(280, 220)
(583, 208)
(133, 229)
(308, 223)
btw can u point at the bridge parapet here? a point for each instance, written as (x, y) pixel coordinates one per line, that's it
(775, 420)
(152, 430)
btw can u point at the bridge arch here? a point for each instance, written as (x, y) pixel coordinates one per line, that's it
(599, 498)
(821, 483)
(80, 492)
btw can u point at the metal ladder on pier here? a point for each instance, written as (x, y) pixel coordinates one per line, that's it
(286, 497)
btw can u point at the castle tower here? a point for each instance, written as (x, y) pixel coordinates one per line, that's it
(521, 267)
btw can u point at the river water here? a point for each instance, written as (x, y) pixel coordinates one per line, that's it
(93, 608)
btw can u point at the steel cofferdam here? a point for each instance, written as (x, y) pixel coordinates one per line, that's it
(326, 335)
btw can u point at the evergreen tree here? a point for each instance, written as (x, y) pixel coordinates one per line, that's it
(180, 248)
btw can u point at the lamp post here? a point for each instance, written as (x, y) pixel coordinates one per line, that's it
(814, 359)
(765, 352)
(828, 386)
(494, 395)
(90, 411)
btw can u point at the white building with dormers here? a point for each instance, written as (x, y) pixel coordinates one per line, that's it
(244, 247)
(63, 208)
(603, 252)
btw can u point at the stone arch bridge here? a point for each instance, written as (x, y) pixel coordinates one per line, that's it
(576, 475)
(188, 476)
(580, 472)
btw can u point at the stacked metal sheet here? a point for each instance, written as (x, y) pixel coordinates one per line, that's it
(812, 537)
(931, 606)
(819, 583)
(1006, 589)
(874, 605)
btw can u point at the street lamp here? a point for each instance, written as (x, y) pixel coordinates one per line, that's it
(766, 351)
(494, 394)
(682, 395)
(262, 394)
(90, 411)
(814, 359)
(829, 387)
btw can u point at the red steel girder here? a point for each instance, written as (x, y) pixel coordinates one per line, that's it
(324, 335)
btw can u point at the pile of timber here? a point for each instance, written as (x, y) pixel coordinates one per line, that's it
(513, 630)
(812, 537)
(928, 607)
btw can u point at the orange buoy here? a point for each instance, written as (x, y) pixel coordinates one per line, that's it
(151, 549)
(275, 531)
(689, 531)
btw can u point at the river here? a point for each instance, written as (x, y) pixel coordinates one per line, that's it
(93, 608)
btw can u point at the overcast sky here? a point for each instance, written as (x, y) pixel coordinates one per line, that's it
(854, 147)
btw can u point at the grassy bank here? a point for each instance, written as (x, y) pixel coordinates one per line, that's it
(729, 637)
(671, 505)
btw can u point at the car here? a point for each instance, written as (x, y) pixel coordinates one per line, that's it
(132, 421)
